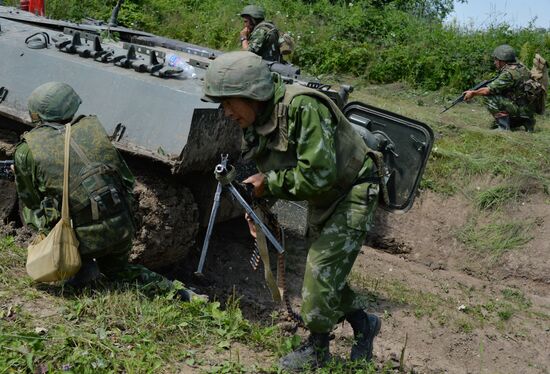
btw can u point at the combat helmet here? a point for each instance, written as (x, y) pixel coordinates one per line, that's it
(505, 53)
(253, 11)
(238, 74)
(53, 102)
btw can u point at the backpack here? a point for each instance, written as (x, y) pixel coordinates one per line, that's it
(100, 203)
(286, 44)
(285, 41)
(535, 89)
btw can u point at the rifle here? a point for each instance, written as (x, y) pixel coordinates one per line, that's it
(6, 171)
(461, 97)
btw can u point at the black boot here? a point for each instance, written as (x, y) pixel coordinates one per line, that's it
(88, 273)
(503, 123)
(314, 353)
(529, 125)
(365, 328)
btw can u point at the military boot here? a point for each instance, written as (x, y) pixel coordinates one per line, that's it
(529, 125)
(365, 328)
(88, 273)
(503, 123)
(314, 353)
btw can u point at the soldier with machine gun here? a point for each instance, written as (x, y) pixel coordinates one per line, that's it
(305, 149)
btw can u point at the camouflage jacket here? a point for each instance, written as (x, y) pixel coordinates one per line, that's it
(264, 41)
(311, 173)
(39, 177)
(509, 82)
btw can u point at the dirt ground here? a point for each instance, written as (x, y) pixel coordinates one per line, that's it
(435, 296)
(438, 299)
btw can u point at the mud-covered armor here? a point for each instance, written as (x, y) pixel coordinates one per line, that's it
(100, 185)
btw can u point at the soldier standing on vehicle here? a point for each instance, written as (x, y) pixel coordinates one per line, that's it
(101, 200)
(305, 149)
(505, 97)
(259, 36)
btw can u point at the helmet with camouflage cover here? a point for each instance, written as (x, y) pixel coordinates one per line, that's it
(53, 102)
(238, 74)
(505, 53)
(253, 11)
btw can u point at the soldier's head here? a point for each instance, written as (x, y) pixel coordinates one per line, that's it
(242, 83)
(53, 102)
(252, 15)
(504, 54)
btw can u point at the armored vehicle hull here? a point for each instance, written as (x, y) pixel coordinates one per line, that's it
(169, 137)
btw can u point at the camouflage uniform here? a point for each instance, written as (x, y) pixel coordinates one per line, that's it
(39, 171)
(264, 41)
(506, 92)
(338, 218)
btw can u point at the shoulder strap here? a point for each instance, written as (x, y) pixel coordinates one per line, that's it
(65, 201)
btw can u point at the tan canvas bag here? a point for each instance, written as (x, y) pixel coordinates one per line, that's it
(56, 257)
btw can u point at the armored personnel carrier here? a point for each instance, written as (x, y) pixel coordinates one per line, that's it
(169, 137)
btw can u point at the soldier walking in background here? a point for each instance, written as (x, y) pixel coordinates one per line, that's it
(101, 185)
(505, 96)
(305, 149)
(259, 36)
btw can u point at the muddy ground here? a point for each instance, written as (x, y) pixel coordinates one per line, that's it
(432, 292)
(438, 299)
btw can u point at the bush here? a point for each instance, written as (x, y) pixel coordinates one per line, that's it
(381, 41)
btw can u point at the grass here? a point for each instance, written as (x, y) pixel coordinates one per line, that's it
(496, 237)
(496, 197)
(465, 149)
(117, 328)
(467, 310)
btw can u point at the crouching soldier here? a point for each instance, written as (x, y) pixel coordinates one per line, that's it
(101, 200)
(305, 149)
(505, 96)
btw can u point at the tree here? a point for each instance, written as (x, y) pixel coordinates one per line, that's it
(434, 9)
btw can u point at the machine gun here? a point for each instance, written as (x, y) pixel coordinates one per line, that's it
(267, 235)
(6, 171)
(461, 97)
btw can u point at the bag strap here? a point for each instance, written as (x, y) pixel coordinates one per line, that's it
(65, 202)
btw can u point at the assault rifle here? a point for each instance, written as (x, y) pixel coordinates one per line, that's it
(5, 170)
(461, 97)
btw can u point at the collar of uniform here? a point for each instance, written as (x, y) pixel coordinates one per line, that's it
(264, 125)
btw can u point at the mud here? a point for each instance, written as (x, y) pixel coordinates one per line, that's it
(167, 219)
(419, 252)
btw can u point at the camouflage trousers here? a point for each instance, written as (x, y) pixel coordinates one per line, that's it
(496, 104)
(116, 267)
(335, 244)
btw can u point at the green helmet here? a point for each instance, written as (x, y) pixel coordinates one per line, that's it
(505, 53)
(53, 102)
(253, 11)
(238, 74)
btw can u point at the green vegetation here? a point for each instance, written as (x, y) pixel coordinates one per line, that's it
(495, 197)
(117, 328)
(495, 237)
(377, 40)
